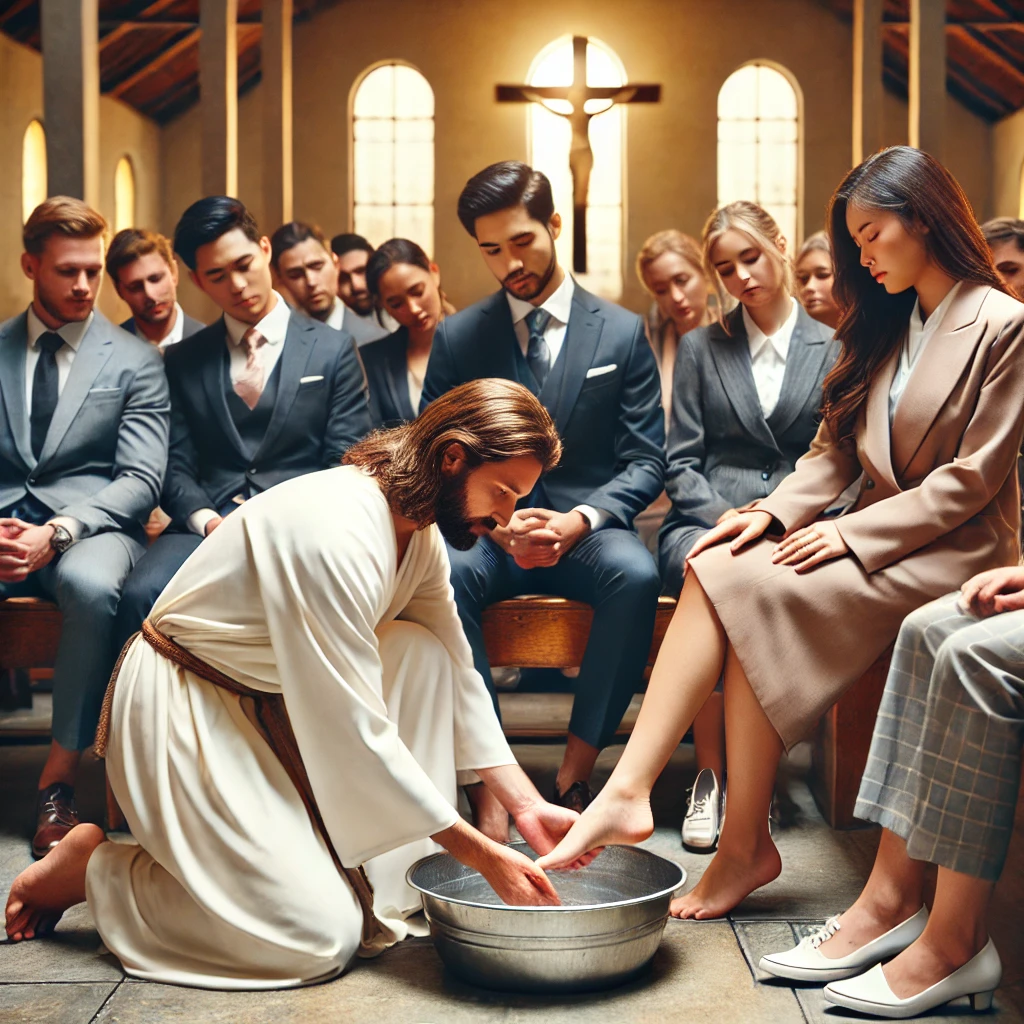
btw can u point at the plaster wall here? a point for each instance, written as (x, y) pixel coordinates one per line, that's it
(1008, 166)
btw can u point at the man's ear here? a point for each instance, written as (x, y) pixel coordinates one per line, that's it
(454, 460)
(196, 280)
(555, 225)
(29, 265)
(265, 246)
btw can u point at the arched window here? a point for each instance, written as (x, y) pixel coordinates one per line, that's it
(124, 195)
(550, 140)
(33, 169)
(759, 144)
(393, 164)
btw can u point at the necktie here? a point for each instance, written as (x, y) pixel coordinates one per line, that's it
(45, 389)
(538, 355)
(249, 385)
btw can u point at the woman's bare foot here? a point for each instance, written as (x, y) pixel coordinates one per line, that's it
(43, 891)
(864, 922)
(728, 880)
(925, 963)
(611, 818)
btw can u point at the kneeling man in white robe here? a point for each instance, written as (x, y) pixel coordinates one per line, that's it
(331, 590)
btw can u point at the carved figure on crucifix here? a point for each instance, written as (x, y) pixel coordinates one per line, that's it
(581, 156)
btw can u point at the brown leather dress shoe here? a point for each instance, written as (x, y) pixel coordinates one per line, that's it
(56, 816)
(577, 797)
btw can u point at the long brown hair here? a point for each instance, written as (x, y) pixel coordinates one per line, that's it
(924, 195)
(492, 418)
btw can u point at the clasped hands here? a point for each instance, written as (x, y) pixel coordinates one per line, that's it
(538, 537)
(24, 548)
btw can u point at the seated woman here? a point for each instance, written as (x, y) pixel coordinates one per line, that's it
(745, 403)
(942, 779)
(407, 285)
(814, 278)
(925, 401)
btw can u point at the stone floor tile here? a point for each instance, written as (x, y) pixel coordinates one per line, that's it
(52, 1004)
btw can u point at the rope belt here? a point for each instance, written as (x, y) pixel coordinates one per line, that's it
(276, 727)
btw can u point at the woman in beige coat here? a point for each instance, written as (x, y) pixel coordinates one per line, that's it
(926, 401)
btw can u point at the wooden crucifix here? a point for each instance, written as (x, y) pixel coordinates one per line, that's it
(581, 156)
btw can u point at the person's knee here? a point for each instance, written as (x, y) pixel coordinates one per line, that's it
(671, 562)
(632, 575)
(90, 589)
(402, 642)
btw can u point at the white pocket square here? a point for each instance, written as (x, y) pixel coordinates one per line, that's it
(104, 391)
(309, 380)
(598, 371)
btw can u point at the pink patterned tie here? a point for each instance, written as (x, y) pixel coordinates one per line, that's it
(249, 385)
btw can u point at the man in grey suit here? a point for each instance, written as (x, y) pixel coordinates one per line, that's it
(84, 422)
(144, 273)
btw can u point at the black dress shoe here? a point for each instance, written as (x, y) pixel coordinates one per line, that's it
(56, 816)
(577, 797)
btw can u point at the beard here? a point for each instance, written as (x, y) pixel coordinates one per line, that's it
(541, 282)
(452, 517)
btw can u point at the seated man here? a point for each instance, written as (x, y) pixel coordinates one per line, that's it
(145, 276)
(260, 396)
(345, 622)
(83, 448)
(589, 363)
(304, 265)
(355, 312)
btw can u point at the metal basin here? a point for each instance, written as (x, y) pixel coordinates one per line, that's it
(608, 927)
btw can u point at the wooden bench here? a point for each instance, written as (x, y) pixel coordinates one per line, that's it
(534, 632)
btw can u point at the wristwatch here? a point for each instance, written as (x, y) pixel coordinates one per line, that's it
(61, 539)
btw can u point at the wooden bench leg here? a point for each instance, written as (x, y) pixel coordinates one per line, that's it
(15, 689)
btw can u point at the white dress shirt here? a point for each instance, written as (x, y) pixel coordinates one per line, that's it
(768, 356)
(918, 336)
(72, 335)
(273, 327)
(177, 331)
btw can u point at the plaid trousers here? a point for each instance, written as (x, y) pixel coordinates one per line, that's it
(945, 760)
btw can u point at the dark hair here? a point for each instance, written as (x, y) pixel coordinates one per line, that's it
(206, 220)
(394, 250)
(131, 244)
(1004, 229)
(341, 244)
(933, 206)
(494, 420)
(294, 233)
(502, 186)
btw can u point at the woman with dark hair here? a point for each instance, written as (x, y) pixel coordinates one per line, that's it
(924, 401)
(407, 285)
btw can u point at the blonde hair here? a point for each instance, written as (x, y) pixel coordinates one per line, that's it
(61, 215)
(818, 242)
(752, 220)
(667, 241)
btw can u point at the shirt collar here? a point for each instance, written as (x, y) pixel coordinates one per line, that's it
(336, 317)
(273, 326)
(558, 303)
(177, 331)
(72, 334)
(757, 339)
(933, 321)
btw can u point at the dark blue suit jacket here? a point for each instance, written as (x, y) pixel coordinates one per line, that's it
(320, 412)
(603, 393)
(387, 368)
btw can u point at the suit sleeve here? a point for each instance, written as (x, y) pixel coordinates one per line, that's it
(140, 457)
(639, 440)
(441, 375)
(348, 419)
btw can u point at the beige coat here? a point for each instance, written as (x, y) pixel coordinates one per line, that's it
(937, 504)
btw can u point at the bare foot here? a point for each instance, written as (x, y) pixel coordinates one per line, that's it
(728, 880)
(923, 964)
(488, 814)
(611, 818)
(43, 891)
(864, 922)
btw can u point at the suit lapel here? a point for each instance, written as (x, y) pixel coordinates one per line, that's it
(92, 355)
(13, 346)
(498, 344)
(215, 371)
(939, 368)
(807, 351)
(298, 345)
(396, 371)
(582, 335)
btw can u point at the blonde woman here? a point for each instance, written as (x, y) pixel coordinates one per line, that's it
(814, 277)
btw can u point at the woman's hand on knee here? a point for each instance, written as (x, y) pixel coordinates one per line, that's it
(745, 527)
(995, 591)
(806, 548)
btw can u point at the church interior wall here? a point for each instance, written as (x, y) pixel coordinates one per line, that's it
(1008, 166)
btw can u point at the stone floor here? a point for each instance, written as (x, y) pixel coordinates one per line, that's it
(702, 972)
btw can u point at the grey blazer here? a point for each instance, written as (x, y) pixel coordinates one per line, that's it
(105, 453)
(722, 452)
(191, 326)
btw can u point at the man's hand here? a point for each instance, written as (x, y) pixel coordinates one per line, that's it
(24, 549)
(994, 592)
(540, 537)
(212, 525)
(544, 825)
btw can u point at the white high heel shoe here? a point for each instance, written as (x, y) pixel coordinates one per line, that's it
(805, 962)
(870, 993)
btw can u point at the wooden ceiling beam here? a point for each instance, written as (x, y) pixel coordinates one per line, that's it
(121, 30)
(989, 55)
(14, 10)
(164, 57)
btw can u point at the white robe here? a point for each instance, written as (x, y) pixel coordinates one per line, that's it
(298, 592)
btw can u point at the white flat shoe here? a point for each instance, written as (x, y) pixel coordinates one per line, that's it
(805, 962)
(870, 993)
(703, 812)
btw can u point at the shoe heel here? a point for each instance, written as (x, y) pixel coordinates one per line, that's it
(981, 1001)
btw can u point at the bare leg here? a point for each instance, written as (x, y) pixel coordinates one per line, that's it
(954, 934)
(746, 858)
(488, 814)
(43, 891)
(61, 766)
(688, 666)
(893, 893)
(709, 736)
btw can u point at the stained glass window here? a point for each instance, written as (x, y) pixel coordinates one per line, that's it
(550, 139)
(124, 194)
(33, 169)
(759, 144)
(393, 165)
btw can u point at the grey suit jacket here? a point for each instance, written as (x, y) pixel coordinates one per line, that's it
(722, 452)
(191, 326)
(105, 453)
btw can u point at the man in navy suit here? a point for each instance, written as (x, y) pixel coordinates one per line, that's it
(144, 273)
(262, 395)
(591, 366)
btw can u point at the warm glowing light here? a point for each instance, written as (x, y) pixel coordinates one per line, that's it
(124, 195)
(33, 169)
